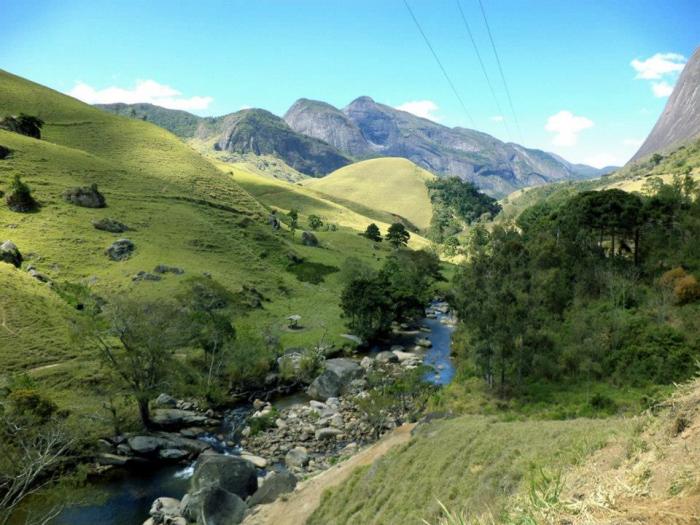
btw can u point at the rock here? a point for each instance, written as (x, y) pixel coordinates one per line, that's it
(165, 511)
(308, 239)
(145, 445)
(212, 505)
(387, 357)
(10, 254)
(259, 462)
(350, 337)
(281, 423)
(258, 404)
(162, 268)
(177, 418)
(366, 362)
(110, 225)
(337, 421)
(172, 454)
(297, 457)
(120, 250)
(105, 458)
(424, 342)
(327, 433)
(87, 197)
(165, 400)
(336, 376)
(333, 402)
(145, 276)
(397, 348)
(317, 405)
(41, 277)
(231, 473)
(405, 356)
(275, 485)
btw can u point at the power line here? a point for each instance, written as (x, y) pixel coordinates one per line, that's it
(500, 69)
(442, 68)
(481, 63)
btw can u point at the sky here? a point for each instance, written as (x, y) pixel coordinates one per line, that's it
(587, 79)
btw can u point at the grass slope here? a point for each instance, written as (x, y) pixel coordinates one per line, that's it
(393, 185)
(470, 462)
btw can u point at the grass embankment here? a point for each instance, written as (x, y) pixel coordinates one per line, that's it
(393, 185)
(470, 462)
(183, 212)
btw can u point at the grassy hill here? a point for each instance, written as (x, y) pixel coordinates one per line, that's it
(183, 211)
(393, 185)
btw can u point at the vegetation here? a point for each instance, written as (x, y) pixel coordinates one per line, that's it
(397, 235)
(372, 233)
(24, 124)
(315, 222)
(19, 197)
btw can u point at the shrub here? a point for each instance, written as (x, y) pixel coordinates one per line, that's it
(29, 402)
(20, 197)
(670, 277)
(687, 290)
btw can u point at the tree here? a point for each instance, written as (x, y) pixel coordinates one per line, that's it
(398, 235)
(23, 124)
(136, 341)
(656, 159)
(20, 197)
(367, 308)
(315, 222)
(372, 233)
(451, 246)
(293, 215)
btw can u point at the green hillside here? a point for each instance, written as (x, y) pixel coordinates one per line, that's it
(393, 185)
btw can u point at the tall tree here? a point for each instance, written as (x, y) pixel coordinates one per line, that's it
(397, 235)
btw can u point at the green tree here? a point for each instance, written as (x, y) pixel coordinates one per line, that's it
(398, 235)
(372, 233)
(315, 222)
(293, 215)
(367, 308)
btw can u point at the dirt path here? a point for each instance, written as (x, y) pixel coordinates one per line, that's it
(301, 503)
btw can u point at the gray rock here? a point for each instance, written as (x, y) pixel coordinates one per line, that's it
(87, 197)
(327, 433)
(165, 510)
(166, 401)
(162, 268)
(276, 484)
(120, 250)
(366, 362)
(424, 342)
(41, 277)
(337, 375)
(177, 418)
(172, 454)
(231, 473)
(309, 239)
(10, 254)
(213, 505)
(387, 357)
(255, 460)
(145, 276)
(110, 225)
(146, 445)
(297, 457)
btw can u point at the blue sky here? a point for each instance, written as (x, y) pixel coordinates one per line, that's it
(568, 64)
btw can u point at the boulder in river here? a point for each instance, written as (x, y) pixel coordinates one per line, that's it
(9, 253)
(424, 342)
(213, 505)
(174, 418)
(276, 484)
(230, 473)
(387, 357)
(337, 375)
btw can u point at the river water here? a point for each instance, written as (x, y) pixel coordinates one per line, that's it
(127, 497)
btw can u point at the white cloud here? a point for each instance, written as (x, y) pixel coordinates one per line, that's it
(658, 66)
(421, 108)
(148, 91)
(661, 89)
(632, 142)
(601, 160)
(662, 67)
(566, 127)
(498, 118)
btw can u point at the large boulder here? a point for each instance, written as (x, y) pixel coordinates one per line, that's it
(212, 505)
(10, 254)
(387, 357)
(231, 473)
(276, 484)
(166, 511)
(297, 457)
(110, 225)
(174, 418)
(120, 250)
(87, 197)
(309, 239)
(337, 375)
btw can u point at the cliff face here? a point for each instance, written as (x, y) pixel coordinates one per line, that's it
(680, 120)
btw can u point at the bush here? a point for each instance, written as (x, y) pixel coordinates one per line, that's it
(20, 197)
(687, 290)
(670, 277)
(29, 402)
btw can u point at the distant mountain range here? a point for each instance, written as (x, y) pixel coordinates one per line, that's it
(316, 138)
(680, 121)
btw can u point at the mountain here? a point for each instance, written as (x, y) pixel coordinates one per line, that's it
(366, 128)
(247, 131)
(680, 120)
(394, 185)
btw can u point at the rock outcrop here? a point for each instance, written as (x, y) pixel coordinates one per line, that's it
(337, 375)
(86, 197)
(120, 250)
(9, 253)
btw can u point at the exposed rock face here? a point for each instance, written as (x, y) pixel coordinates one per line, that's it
(87, 197)
(9, 253)
(230, 473)
(495, 166)
(212, 505)
(276, 484)
(309, 239)
(338, 374)
(680, 120)
(110, 225)
(260, 132)
(120, 250)
(318, 119)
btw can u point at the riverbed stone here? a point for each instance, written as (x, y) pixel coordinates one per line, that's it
(424, 342)
(145, 445)
(387, 357)
(177, 418)
(172, 454)
(255, 460)
(327, 433)
(337, 375)
(297, 457)
(276, 484)
(212, 505)
(231, 473)
(165, 510)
